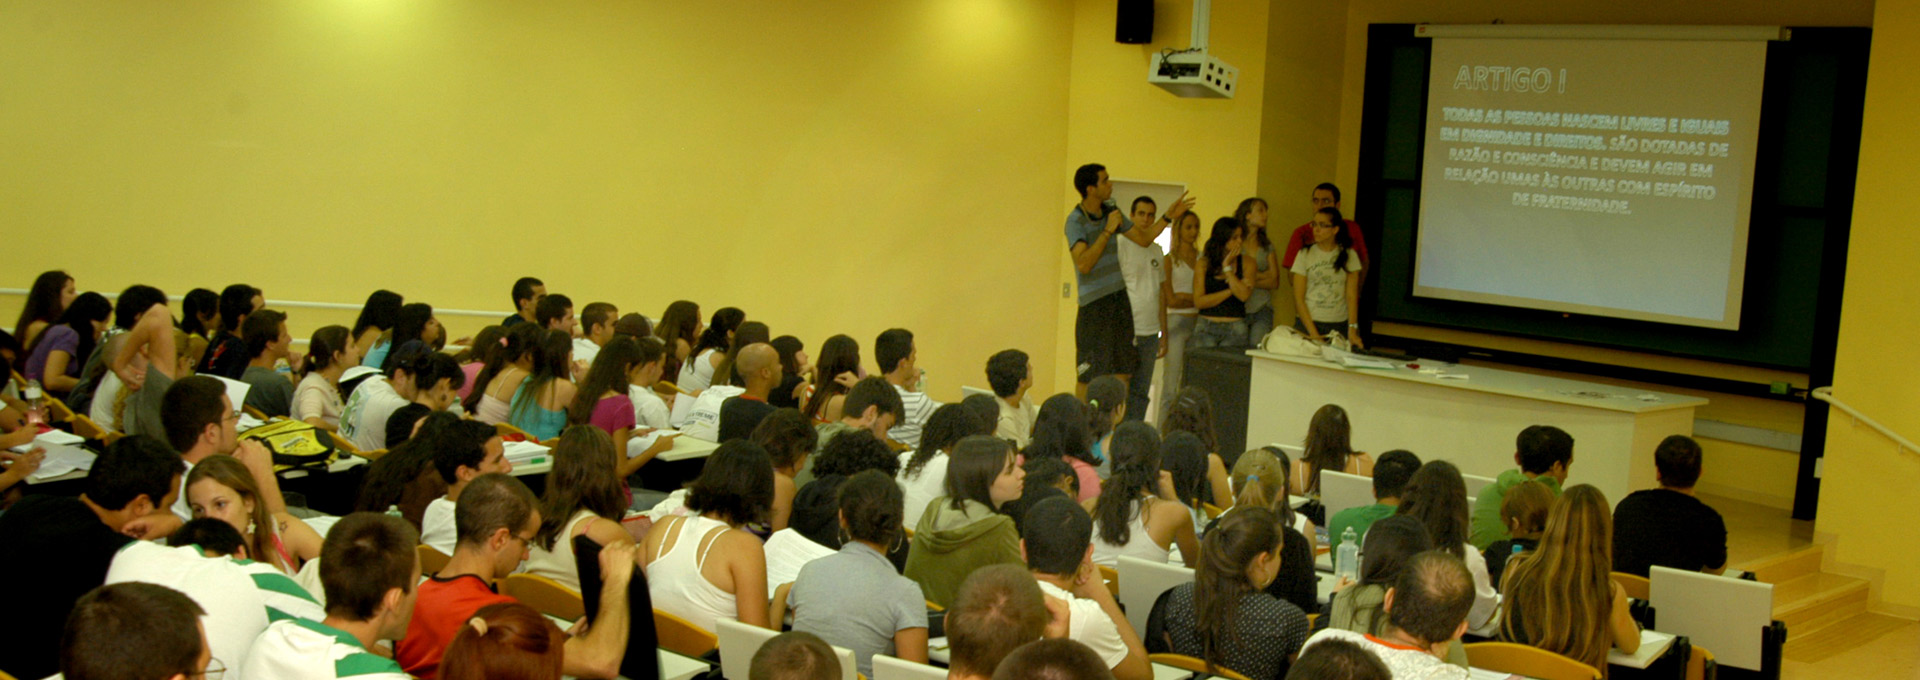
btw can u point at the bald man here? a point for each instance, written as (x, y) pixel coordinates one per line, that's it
(759, 367)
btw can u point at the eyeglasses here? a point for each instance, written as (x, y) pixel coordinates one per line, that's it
(215, 671)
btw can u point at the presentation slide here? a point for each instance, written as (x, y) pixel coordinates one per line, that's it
(1600, 177)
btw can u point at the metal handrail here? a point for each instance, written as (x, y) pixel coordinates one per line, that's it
(1826, 394)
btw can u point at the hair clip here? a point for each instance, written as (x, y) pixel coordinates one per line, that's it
(479, 624)
(503, 341)
(1252, 478)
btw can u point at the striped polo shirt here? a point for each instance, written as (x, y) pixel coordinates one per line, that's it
(1105, 279)
(241, 597)
(309, 650)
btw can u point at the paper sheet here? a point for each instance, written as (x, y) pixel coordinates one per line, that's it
(62, 459)
(236, 390)
(520, 452)
(639, 444)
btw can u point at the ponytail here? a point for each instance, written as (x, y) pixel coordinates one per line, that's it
(1260, 479)
(320, 349)
(1220, 579)
(1136, 471)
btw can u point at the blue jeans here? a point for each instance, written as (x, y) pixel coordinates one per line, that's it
(1148, 346)
(1259, 324)
(1210, 333)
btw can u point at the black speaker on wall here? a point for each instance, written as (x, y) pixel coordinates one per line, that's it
(1133, 24)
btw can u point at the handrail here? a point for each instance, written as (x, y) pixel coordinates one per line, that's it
(1826, 394)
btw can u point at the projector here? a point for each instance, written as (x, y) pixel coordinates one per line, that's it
(1193, 74)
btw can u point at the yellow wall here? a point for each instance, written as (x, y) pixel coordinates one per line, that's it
(1866, 481)
(828, 167)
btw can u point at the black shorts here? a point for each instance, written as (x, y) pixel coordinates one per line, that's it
(1103, 338)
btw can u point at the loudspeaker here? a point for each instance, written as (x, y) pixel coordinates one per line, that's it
(1133, 23)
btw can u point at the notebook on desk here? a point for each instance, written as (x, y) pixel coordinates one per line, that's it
(1653, 644)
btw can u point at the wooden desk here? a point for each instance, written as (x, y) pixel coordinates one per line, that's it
(1471, 422)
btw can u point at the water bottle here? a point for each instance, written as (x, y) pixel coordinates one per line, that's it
(36, 409)
(1347, 564)
(393, 510)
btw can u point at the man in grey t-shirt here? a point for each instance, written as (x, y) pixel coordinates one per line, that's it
(1103, 331)
(265, 333)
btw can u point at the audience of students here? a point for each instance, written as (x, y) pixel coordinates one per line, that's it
(995, 610)
(854, 598)
(1261, 478)
(1560, 597)
(1060, 431)
(73, 541)
(1390, 475)
(703, 567)
(1192, 411)
(1525, 514)
(1667, 526)
(56, 357)
(1010, 375)
(1437, 496)
(527, 293)
(1328, 447)
(505, 640)
(46, 301)
(1225, 616)
(497, 521)
(131, 631)
(1136, 513)
(583, 497)
(795, 655)
(226, 352)
(316, 399)
(1058, 549)
(923, 471)
(1544, 453)
(838, 368)
(224, 488)
(464, 451)
(1426, 612)
(964, 530)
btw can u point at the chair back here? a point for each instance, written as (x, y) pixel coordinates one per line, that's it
(431, 560)
(739, 641)
(544, 594)
(1213, 511)
(1700, 665)
(1475, 483)
(889, 668)
(1525, 661)
(1727, 615)
(681, 637)
(1142, 582)
(1636, 587)
(1339, 491)
(1111, 578)
(1188, 663)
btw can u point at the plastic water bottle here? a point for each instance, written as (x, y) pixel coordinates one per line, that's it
(393, 510)
(36, 409)
(1347, 562)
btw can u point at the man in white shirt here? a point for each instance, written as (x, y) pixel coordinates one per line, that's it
(1010, 375)
(363, 420)
(465, 450)
(898, 359)
(596, 330)
(240, 597)
(1426, 611)
(649, 410)
(369, 569)
(1142, 268)
(1058, 548)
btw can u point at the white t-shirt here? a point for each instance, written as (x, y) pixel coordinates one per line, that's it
(239, 598)
(1090, 625)
(649, 410)
(1182, 274)
(703, 420)
(1326, 287)
(1486, 600)
(697, 373)
(101, 410)
(364, 420)
(436, 526)
(1403, 663)
(1141, 266)
(181, 508)
(922, 488)
(918, 408)
(311, 650)
(585, 350)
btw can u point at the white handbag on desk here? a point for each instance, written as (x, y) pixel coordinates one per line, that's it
(1287, 341)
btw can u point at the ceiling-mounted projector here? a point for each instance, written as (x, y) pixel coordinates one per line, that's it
(1192, 72)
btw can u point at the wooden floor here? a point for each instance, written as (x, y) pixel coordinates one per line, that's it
(1869, 646)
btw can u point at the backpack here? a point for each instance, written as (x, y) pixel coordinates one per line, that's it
(296, 445)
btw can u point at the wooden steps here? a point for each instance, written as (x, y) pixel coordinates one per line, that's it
(1806, 598)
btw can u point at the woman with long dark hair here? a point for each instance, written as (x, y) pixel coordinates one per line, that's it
(605, 400)
(795, 371)
(1060, 431)
(1561, 597)
(316, 399)
(63, 348)
(1136, 513)
(583, 497)
(1329, 447)
(697, 372)
(679, 328)
(834, 374)
(198, 311)
(734, 489)
(1220, 289)
(1106, 407)
(964, 530)
(923, 471)
(1326, 280)
(371, 328)
(1225, 616)
(1437, 496)
(1260, 478)
(415, 329)
(539, 406)
(491, 398)
(1261, 262)
(1192, 411)
(52, 291)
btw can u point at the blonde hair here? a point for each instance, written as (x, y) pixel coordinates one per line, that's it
(1259, 480)
(1562, 591)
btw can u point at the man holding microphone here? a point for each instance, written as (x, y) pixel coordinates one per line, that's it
(1103, 332)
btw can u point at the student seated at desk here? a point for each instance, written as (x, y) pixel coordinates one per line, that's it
(223, 488)
(1136, 513)
(436, 380)
(1225, 616)
(49, 297)
(1437, 496)
(596, 330)
(854, 598)
(226, 352)
(370, 574)
(1045, 478)
(1260, 475)
(836, 371)
(1390, 475)
(200, 422)
(678, 331)
(996, 610)
(363, 420)
(1544, 453)
(704, 567)
(964, 530)
(1060, 431)
(486, 343)
(1668, 526)
(1106, 407)
(539, 405)
(583, 498)
(146, 366)
(816, 507)
(1426, 614)
(462, 452)
(758, 368)
(1192, 411)
(898, 358)
(414, 330)
(527, 293)
(697, 371)
(650, 408)
(871, 405)
(316, 399)
(1525, 513)
(405, 478)
(1010, 374)
(132, 303)
(265, 333)
(1360, 606)
(923, 471)
(60, 352)
(1058, 549)
(1328, 447)
(603, 400)
(1560, 597)
(491, 398)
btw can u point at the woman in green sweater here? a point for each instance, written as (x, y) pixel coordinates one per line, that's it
(964, 530)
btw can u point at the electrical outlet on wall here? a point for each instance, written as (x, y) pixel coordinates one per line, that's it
(1066, 290)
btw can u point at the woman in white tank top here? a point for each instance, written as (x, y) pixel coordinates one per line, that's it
(583, 498)
(703, 567)
(1135, 514)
